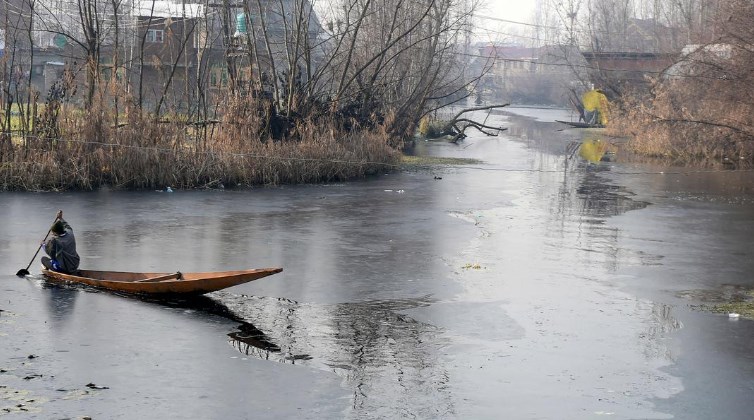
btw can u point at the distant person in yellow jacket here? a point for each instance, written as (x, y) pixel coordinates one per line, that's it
(595, 107)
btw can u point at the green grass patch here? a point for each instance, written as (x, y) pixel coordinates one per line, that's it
(745, 309)
(730, 299)
(428, 161)
(742, 303)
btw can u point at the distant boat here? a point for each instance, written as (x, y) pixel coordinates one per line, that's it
(580, 124)
(161, 283)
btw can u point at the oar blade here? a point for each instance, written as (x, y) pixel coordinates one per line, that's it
(22, 272)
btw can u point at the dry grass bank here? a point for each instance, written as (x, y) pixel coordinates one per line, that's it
(701, 110)
(88, 151)
(682, 128)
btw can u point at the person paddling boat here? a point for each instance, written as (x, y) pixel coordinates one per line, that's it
(61, 248)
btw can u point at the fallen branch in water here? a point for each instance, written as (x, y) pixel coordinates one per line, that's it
(474, 124)
(457, 126)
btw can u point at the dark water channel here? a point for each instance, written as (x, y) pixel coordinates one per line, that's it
(531, 285)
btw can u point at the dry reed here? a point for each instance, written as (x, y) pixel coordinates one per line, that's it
(685, 126)
(701, 112)
(142, 153)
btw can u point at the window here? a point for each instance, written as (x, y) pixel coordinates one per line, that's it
(107, 73)
(218, 77)
(156, 36)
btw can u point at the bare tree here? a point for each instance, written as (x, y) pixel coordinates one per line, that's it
(702, 112)
(393, 56)
(17, 60)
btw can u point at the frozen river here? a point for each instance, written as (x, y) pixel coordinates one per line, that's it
(530, 285)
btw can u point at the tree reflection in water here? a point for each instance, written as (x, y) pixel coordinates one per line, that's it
(251, 341)
(371, 344)
(247, 338)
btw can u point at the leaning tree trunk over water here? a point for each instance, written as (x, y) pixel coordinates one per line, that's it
(457, 126)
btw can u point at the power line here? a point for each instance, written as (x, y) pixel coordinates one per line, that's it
(517, 22)
(576, 29)
(569, 65)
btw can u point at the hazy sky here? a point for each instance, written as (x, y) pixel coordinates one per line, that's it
(496, 19)
(517, 10)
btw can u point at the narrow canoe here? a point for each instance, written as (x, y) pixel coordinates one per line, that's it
(161, 283)
(580, 124)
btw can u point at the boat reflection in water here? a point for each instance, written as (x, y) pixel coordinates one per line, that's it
(251, 341)
(247, 338)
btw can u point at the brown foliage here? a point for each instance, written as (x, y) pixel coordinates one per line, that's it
(144, 153)
(704, 114)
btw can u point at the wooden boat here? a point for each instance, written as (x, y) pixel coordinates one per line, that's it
(161, 283)
(579, 124)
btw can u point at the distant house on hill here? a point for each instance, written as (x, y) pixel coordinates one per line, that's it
(165, 48)
(618, 71)
(623, 59)
(619, 59)
(164, 57)
(508, 62)
(528, 75)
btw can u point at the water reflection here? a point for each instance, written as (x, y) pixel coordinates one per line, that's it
(250, 340)
(588, 194)
(537, 134)
(372, 345)
(602, 199)
(596, 200)
(593, 150)
(247, 338)
(60, 300)
(661, 324)
(582, 190)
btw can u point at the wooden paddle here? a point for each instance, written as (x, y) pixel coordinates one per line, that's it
(25, 271)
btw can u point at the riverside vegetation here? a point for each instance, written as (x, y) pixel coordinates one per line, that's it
(188, 102)
(284, 100)
(700, 111)
(90, 151)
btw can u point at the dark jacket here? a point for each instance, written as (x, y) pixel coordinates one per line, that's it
(62, 248)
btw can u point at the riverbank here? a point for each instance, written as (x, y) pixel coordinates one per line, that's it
(528, 277)
(154, 157)
(693, 135)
